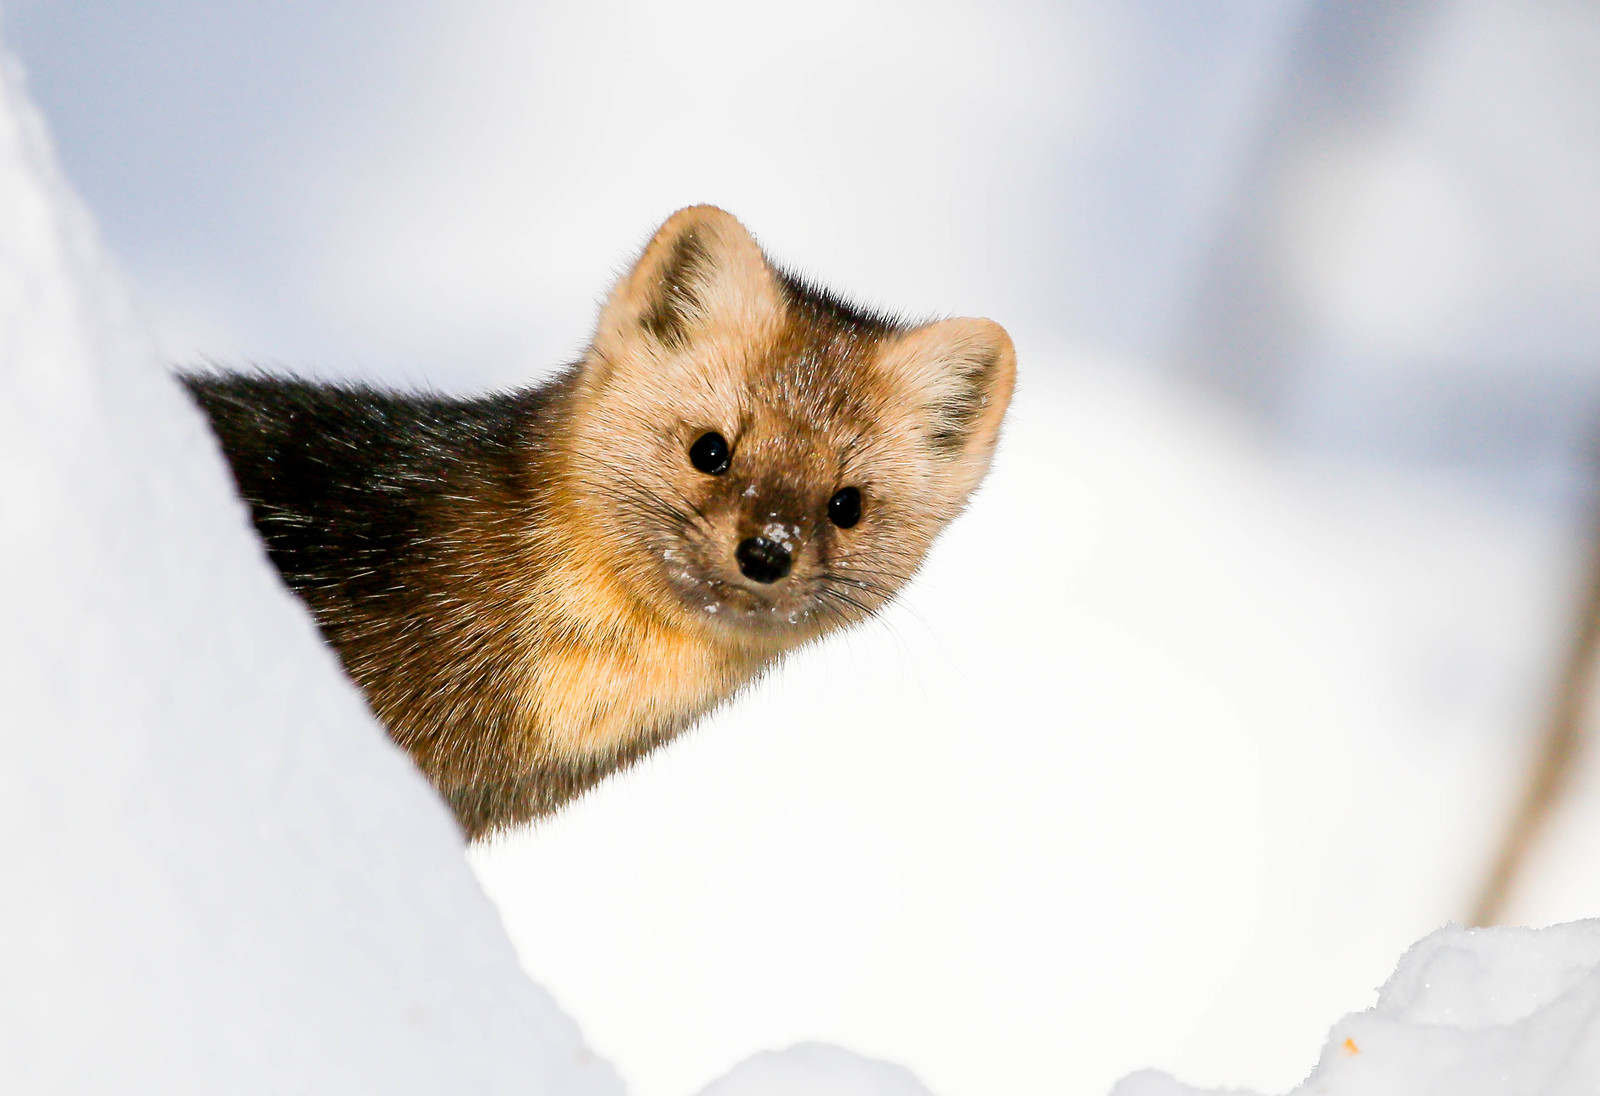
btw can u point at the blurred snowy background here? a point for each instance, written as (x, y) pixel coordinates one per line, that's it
(1221, 694)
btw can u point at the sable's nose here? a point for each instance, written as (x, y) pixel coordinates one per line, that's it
(761, 559)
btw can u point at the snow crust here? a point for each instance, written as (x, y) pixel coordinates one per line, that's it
(815, 1069)
(1468, 1012)
(218, 874)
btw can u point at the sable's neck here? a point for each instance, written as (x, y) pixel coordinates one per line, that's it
(609, 672)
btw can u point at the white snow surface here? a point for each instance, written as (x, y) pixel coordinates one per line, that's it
(815, 1069)
(1468, 1012)
(218, 874)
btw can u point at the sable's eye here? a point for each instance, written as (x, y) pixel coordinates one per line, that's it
(844, 509)
(710, 454)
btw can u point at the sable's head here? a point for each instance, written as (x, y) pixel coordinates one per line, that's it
(761, 459)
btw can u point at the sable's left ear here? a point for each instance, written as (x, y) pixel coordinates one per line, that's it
(701, 276)
(961, 372)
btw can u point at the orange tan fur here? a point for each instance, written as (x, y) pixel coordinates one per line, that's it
(566, 590)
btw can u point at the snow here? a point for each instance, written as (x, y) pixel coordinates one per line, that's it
(219, 876)
(1468, 1012)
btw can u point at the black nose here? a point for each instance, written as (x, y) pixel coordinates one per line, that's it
(762, 560)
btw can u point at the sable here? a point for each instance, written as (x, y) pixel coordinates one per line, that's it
(536, 588)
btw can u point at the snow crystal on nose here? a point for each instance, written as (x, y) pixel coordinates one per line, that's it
(779, 533)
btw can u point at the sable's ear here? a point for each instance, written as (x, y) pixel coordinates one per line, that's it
(960, 373)
(701, 272)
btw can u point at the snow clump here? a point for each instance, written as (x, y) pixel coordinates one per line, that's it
(1469, 1012)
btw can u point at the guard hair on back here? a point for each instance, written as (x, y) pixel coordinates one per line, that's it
(536, 588)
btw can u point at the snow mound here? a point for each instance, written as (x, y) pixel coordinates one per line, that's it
(816, 1069)
(219, 875)
(1502, 1011)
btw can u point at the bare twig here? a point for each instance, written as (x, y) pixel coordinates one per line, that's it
(1558, 748)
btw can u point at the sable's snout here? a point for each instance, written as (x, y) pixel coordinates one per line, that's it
(762, 560)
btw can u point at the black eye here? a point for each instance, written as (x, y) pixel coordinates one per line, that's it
(844, 509)
(710, 454)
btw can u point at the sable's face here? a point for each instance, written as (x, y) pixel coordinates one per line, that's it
(762, 459)
(765, 495)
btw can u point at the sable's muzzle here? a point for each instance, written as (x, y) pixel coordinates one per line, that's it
(762, 560)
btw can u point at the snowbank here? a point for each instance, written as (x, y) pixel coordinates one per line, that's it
(218, 875)
(1468, 1012)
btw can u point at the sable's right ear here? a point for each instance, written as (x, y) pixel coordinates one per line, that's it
(700, 273)
(959, 375)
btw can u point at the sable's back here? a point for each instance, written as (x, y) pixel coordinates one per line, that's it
(341, 480)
